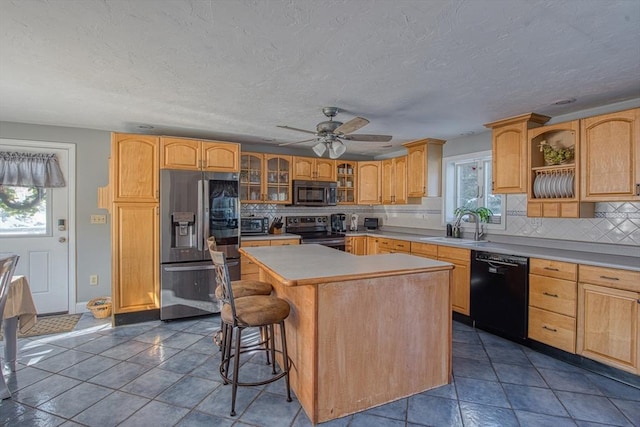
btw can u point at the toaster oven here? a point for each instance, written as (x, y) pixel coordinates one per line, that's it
(251, 226)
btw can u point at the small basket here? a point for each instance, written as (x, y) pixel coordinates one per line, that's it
(100, 307)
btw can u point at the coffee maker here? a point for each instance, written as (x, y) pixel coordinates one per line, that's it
(339, 223)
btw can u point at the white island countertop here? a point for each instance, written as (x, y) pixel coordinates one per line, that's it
(312, 264)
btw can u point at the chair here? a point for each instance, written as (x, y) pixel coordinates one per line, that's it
(7, 267)
(241, 288)
(237, 314)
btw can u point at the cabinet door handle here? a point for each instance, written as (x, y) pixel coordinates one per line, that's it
(549, 329)
(609, 278)
(550, 295)
(551, 269)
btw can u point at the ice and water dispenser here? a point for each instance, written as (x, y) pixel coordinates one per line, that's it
(183, 232)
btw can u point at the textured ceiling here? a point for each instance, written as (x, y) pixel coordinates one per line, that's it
(235, 69)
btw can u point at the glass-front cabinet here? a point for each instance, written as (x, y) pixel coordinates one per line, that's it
(346, 182)
(265, 178)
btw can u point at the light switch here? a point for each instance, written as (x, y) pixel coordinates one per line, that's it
(98, 219)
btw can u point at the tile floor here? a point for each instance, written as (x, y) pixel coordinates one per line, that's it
(165, 374)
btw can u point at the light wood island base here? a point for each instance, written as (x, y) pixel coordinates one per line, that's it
(361, 333)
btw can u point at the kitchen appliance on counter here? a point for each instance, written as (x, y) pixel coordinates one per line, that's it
(500, 294)
(193, 207)
(339, 223)
(315, 193)
(315, 229)
(254, 226)
(353, 226)
(371, 223)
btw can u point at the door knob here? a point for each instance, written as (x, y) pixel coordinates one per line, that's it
(62, 239)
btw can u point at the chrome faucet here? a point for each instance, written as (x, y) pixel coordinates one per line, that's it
(479, 227)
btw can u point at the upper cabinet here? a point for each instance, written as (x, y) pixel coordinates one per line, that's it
(347, 172)
(424, 168)
(314, 169)
(610, 157)
(265, 178)
(191, 154)
(134, 163)
(394, 181)
(510, 153)
(369, 183)
(554, 173)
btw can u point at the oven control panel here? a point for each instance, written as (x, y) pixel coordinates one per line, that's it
(307, 221)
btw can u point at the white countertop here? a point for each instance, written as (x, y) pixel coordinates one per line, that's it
(296, 263)
(269, 237)
(630, 262)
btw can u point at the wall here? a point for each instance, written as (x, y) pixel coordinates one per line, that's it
(93, 244)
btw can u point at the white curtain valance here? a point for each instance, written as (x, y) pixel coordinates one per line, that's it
(30, 170)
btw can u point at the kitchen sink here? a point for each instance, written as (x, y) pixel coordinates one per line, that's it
(455, 241)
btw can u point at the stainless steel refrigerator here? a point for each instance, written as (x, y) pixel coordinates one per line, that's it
(193, 207)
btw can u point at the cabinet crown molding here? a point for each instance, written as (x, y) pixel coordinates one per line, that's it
(529, 117)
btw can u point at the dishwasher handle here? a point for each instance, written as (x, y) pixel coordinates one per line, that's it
(491, 262)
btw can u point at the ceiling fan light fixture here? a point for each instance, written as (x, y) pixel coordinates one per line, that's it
(320, 148)
(336, 149)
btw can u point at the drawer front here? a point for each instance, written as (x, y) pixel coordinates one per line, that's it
(551, 294)
(385, 243)
(254, 243)
(401, 245)
(557, 269)
(247, 266)
(552, 329)
(610, 277)
(284, 242)
(454, 253)
(424, 249)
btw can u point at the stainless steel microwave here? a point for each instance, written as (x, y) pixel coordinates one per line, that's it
(315, 193)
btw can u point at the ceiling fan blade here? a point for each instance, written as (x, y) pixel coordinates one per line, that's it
(296, 142)
(351, 126)
(363, 137)
(299, 130)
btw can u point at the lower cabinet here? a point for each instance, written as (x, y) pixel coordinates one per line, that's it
(248, 269)
(390, 246)
(608, 316)
(136, 256)
(461, 283)
(552, 303)
(356, 245)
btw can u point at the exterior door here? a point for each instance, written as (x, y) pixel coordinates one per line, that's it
(37, 228)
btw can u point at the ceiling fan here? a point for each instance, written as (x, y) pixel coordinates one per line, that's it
(330, 134)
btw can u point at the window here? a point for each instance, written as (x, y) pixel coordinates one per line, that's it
(468, 184)
(23, 211)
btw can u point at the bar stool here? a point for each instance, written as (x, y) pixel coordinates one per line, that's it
(241, 288)
(259, 311)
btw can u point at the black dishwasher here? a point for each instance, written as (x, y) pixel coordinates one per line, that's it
(500, 294)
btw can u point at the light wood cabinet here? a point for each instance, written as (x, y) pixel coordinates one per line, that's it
(390, 246)
(356, 245)
(610, 157)
(608, 316)
(192, 154)
(134, 168)
(347, 182)
(510, 156)
(553, 190)
(424, 167)
(314, 169)
(135, 257)
(372, 245)
(394, 181)
(369, 183)
(552, 303)
(248, 269)
(134, 199)
(425, 250)
(265, 178)
(461, 277)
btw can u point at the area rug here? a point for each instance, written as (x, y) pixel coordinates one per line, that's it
(47, 325)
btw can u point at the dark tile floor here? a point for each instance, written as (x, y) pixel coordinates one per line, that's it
(165, 374)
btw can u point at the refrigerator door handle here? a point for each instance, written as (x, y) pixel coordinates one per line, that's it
(205, 205)
(190, 268)
(200, 216)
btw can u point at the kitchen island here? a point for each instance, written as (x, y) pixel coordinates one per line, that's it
(363, 330)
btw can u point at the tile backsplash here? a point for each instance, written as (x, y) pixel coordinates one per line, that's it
(614, 223)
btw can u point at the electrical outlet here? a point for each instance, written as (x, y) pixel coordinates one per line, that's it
(93, 279)
(98, 219)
